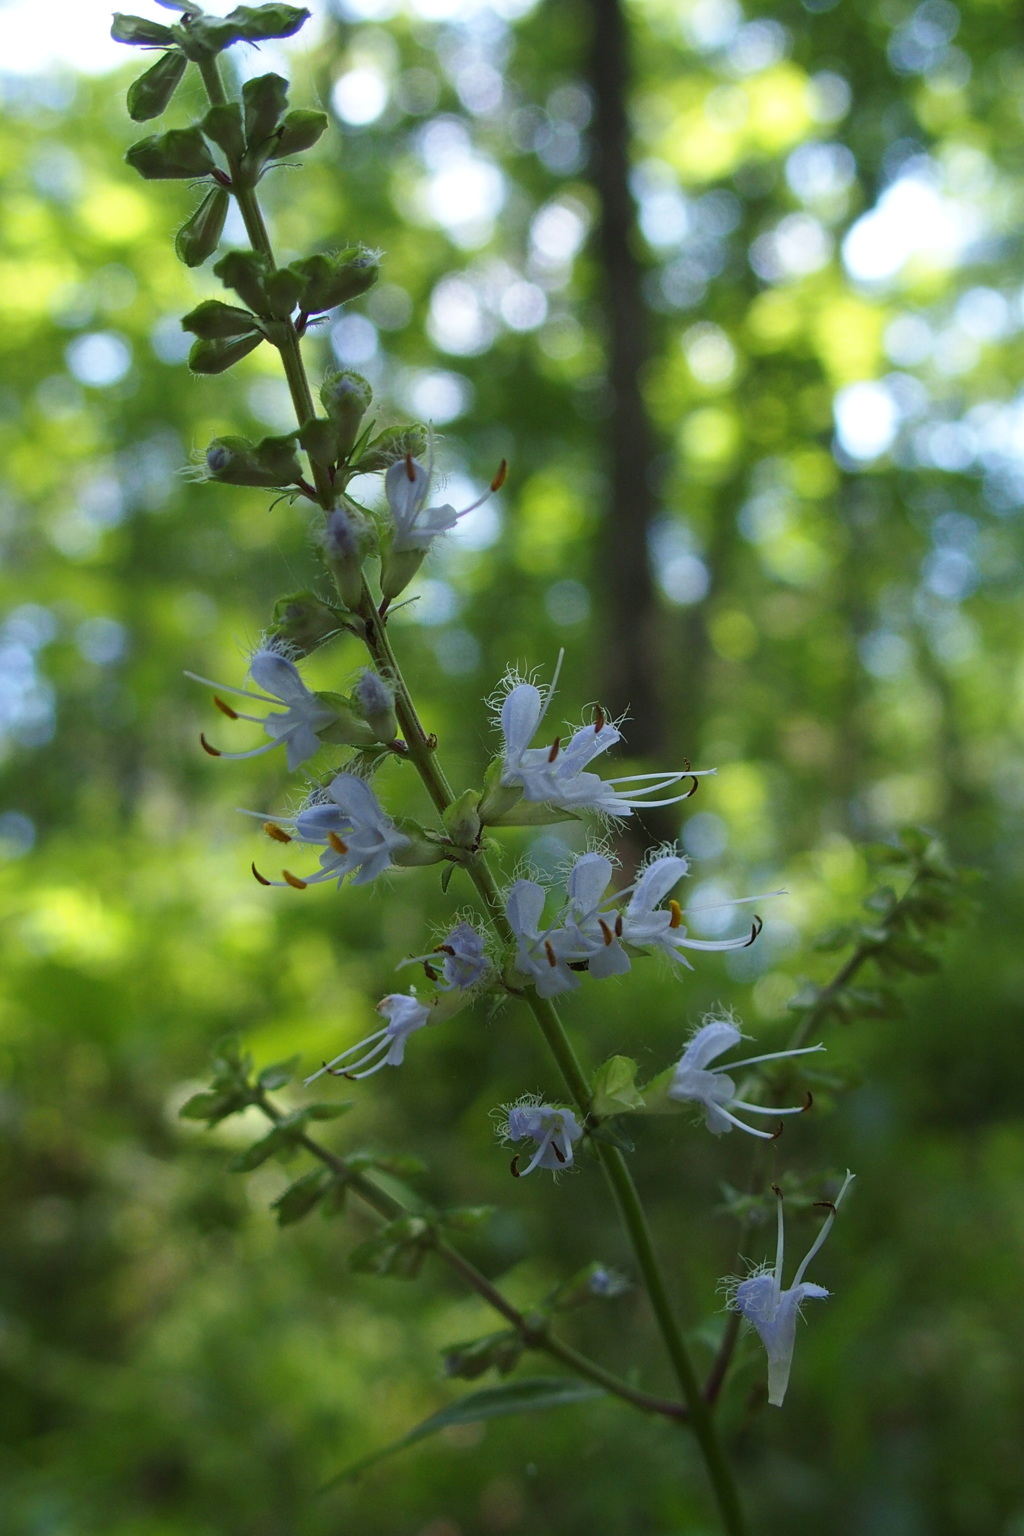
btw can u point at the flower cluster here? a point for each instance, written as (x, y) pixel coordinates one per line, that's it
(595, 932)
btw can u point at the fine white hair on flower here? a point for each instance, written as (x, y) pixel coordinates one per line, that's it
(773, 1311)
(714, 1091)
(554, 1129)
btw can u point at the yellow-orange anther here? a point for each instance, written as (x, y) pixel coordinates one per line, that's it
(606, 931)
(677, 914)
(293, 880)
(279, 835)
(501, 476)
(550, 952)
(337, 844)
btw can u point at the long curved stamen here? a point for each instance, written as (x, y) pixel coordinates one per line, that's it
(767, 1109)
(242, 693)
(753, 1061)
(779, 1241)
(542, 1147)
(751, 1130)
(826, 1228)
(709, 944)
(237, 757)
(377, 1040)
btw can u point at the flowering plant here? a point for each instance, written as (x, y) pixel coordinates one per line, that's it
(525, 942)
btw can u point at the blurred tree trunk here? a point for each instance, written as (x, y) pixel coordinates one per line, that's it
(630, 660)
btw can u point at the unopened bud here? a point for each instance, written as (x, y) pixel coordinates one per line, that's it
(264, 102)
(304, 621)
(346, 398)
(140, 32)
(218, 355)
(392, 445)
(149, 95)
(199, 236)
(247, 273)
(397, 569)
(223, 125)
(212, 319)
(270, 463)
(299, 130)
(462, 819)
(347, 538)
(331, 280)
(176, 155)
(377, 702)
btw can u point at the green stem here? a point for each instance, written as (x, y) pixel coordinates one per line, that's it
(534, 1331)
(421, 751)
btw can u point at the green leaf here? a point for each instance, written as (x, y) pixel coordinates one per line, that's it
(199, 236)
(278, 1074)
(264, 102)
(614, 1088)
(301, 1197)
(495, 1351)
(466, 1218)
(177, 155)
(213, 1107)
(530, 1394)
(255, 1156)
(139, 32)
(397, 1250)
(213, 320)
(531, 813)
(217, 356)
(246, 272)
(333, 1111)
(149, 95)
(223, 124)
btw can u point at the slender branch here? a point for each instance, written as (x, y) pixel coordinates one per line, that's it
(534, 1331)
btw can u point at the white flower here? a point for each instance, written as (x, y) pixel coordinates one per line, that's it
(407, 487)
(595, 934)
(773, 1311)
(462, 956)
(557, 775)
(646, 924)
(714, 1090)
(385, 1047)
(305, 712)
(554, 1130)
(359, 837)
(543, 955)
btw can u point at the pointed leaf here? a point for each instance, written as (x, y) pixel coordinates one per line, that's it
(301, 1197)
(530, 1394)
(614, 1088)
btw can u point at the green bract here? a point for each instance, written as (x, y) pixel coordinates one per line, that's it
(199, 236)
(150, 93)
(177, 155)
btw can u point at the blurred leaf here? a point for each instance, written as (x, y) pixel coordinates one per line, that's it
(528, 1395)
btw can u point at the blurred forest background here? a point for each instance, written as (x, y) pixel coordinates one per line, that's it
(742, 304)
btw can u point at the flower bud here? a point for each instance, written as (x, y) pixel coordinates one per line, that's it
(246, 272)
(299, 130)
(140, 32)
(250, 24)
(462, 820)
(304, 621)
(331, 280)
(376, 700)
(392, 445)
(347, 538)
(270, 463)
(149, 95)
(348, 728)
(397, 569)
(320, 440)
(199, 236)
(220, 354)
(346, 398)
(212, 319)
(264, 102)
(283, 290)
(177, 155)
(223, 125)
(417, 851)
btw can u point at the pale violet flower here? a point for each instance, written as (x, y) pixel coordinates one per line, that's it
(405, 1014)
(648, 925)
(595, 934)
(545, 955)
(557, 774)
(407, 488)
(555, 1132)
(773, 1311)
(305, 713)
(358, 836)
(462, 958)
(714, 1090)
